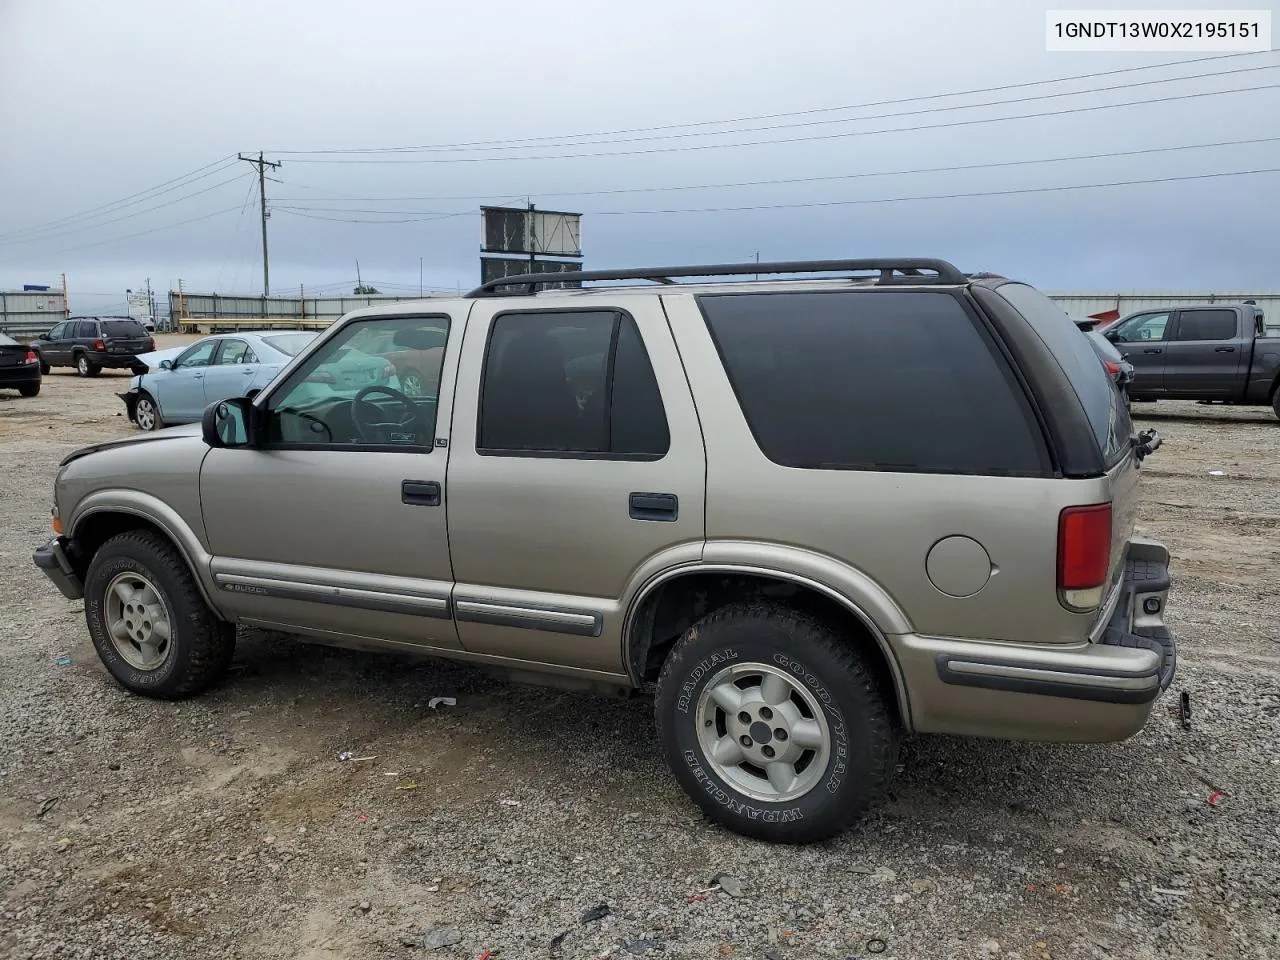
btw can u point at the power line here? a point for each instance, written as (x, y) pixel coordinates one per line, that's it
(140, 233)
(812, 138)
(128, 216)
(141, 197)
(940, 196)
(794, 113)
(762, 183)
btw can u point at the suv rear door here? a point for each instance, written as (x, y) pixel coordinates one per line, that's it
(125, 337)
(577, 464)
(1204, 354)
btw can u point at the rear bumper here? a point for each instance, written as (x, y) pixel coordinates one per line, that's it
(1096, 691)
(115, 361)
(51, 558)
(20, 376)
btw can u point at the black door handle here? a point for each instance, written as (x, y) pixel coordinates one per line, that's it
(420, 493)
(1224, 349)
(662, 507)
(1153, 350)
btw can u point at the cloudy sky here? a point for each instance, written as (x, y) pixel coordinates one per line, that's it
(119, 124)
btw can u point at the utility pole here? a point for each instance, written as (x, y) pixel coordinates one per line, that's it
(533, 257)
(66, 304)
(262, 165)
(359, 282)
(151, 302)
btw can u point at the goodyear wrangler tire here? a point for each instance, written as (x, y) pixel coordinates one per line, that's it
(148, 621)
(774, 723)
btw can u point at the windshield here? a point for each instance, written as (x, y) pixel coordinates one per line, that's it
(123, 328)
(290, 344)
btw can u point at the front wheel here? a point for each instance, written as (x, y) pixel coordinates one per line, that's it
(148, 622)
(146, 414)
(775, 724)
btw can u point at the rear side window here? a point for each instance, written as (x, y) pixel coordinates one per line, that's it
(1206, 325)
(123, 329)
(570, 384)
(1103, 404)
(874, 380)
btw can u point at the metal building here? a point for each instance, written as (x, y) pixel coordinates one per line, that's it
(24, 313)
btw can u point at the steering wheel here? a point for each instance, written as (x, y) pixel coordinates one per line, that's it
(364, 414)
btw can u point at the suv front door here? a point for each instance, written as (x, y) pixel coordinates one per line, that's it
(1204, 354)
(54, 349)
(576, 464)
(1141, 340)
(335, 525)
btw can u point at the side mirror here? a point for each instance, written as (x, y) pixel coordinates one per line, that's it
(1113, 336)
(228, 423)
(166, 364)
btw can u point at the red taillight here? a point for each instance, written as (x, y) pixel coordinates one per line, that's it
(151, 344)
(31, 357)
(99, 345)
(1084, 553)
(1113, 368)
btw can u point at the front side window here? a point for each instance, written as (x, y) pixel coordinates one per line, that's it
(59, 331)
(197, 355)
(570, 383)
(1148, 326)
(351, 392)
(1207, 325)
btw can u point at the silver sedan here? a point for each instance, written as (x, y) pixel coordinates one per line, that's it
(182, 381)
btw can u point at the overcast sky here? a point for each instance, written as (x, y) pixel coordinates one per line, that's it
(102, 101)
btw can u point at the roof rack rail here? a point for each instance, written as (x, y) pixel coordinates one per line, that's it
(891, 270)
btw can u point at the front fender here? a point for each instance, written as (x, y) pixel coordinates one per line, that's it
(154, 510)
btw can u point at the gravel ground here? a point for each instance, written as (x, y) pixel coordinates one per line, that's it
(226, 826)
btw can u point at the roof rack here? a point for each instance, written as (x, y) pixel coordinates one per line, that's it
(891, 270)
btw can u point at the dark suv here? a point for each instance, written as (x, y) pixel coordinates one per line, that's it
(91, 343)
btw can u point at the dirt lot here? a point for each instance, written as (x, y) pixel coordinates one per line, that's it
(226, 827)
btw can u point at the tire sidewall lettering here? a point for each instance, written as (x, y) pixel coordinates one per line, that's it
(839, 762)
(711, 663)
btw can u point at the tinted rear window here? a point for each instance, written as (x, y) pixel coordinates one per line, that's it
(124, 329)
(874, 380)
(290, 343)
(1207, 325)
(1103, 404)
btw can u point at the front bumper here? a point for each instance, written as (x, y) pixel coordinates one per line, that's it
(1099, 691)
(130, 403)
(51, 558)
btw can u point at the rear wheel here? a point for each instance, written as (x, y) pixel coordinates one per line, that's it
(148, 622)
(146, 414)
(30, 390)
(44, 368)
(775, 724)
(86, 367)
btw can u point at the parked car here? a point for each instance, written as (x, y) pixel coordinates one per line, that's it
(90, 344)
(1221, 352)
(1121, 370)
(19, 367)
(185, 380)
(813, 514)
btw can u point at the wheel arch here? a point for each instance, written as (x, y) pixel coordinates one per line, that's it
(96, 523)
(669, 602)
